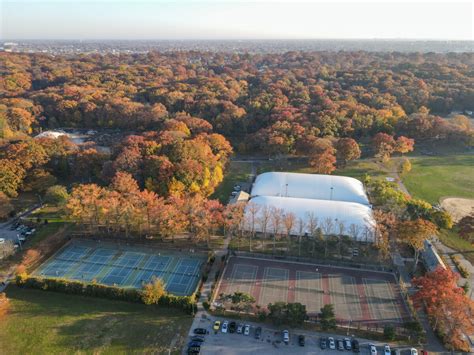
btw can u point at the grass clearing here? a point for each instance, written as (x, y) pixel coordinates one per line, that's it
(432, 178)
(452, 239)
(53, 323)
(236, 172)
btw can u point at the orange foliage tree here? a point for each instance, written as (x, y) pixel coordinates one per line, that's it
(450, 310)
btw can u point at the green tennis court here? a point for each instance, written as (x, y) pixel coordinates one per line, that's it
(124, 266)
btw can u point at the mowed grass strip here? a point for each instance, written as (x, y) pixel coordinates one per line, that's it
(434, 177)
(53, 323)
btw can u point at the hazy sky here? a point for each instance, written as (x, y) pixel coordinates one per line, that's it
(187, 19)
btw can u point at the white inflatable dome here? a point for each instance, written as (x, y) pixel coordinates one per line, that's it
(310, 186)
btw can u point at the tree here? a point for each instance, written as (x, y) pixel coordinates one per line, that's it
(293, 314)
(414, 233)
(383, 145)
(347, 149)
(153, 291)
(56, 195)
(6, 208)
(389, 332)
(447, 305)
(327, 317)
(11, 176)
(404, 145)
(276, 221)
(242, 301)
(322, 158)
(405, 167)
(4, 305)
(289, 220)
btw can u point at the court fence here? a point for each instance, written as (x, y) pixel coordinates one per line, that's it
(325, 262)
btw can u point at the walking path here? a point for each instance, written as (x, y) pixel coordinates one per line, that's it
(201, 318)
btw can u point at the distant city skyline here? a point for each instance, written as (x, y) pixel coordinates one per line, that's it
(188, 19)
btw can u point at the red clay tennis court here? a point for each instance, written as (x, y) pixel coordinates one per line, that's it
(357, 295)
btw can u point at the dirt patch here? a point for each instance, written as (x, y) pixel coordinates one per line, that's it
(458, 207)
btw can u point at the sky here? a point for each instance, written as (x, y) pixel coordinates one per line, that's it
(224, 19)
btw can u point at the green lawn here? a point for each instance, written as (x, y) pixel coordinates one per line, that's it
(452, 239)
(434, 177)
(358, 168)
(53, 323)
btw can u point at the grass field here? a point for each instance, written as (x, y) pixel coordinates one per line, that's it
(452, 239)
(54, 323)
(434, 177)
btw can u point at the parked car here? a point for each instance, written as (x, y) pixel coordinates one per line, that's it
(194, 350)
(347, 344)
(323, 343)
(2, 240)
(355, 346)
(234, 193)
(232, 326)
(331, 343)
(224, 327)
(424, 352)
(301, 340)
(197, 338)
(372, 349)
(258, 332)
(247, 329)
(340, 344)
(386, 350)
(193, 344)
(200, 331)
(217, 325)
(413, 351)
(286, 336)
(240, 328)
(237, 188)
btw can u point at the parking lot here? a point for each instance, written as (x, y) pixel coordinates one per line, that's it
(270, 341)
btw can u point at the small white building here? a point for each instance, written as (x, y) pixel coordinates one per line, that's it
(310, 186)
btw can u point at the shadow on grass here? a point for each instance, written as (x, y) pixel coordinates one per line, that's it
(70, 323)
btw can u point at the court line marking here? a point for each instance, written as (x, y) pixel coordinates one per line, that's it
(233, 281)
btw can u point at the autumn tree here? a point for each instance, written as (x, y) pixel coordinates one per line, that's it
(347, 149)
(4, 305)
(56, 195)
(414, 233)
(6, 208)
(322, 157)
(383, 145)
(404, 145)
(449, 308)
(153, 291)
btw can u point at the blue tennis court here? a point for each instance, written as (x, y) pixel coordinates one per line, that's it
(124, 266)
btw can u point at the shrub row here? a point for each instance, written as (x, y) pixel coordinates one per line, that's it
(462, 270)
(186, 303)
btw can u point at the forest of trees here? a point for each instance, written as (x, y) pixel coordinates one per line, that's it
(182, 114)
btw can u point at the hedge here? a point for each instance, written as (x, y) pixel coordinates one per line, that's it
(185, 303)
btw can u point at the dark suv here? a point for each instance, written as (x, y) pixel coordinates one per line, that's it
(232, 327)
(355, 346)
(323, 343)
(301, 340)
(258, 332)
